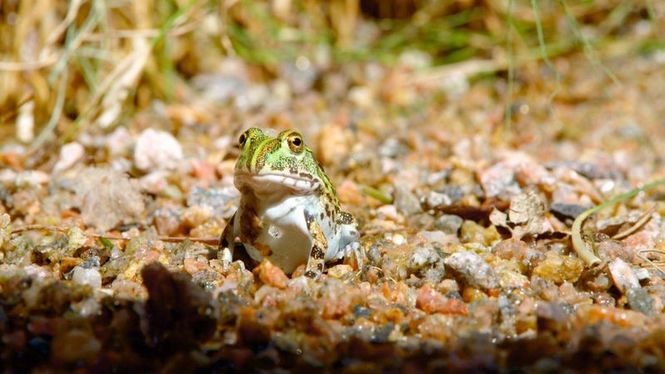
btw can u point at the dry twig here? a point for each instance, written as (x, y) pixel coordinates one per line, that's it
(170, 239)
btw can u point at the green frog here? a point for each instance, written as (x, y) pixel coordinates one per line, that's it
(289, 212)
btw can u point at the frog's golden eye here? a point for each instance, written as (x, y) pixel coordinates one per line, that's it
(295, 142)
(242, 139)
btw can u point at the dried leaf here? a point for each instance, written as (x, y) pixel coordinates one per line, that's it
(499, 218)
(107, 198)
(76, 238)
(527, 210)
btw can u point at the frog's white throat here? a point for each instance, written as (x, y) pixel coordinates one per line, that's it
(276, 184)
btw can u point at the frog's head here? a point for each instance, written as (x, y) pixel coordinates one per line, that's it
(274, 162)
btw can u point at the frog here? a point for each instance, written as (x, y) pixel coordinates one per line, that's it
(289, 212)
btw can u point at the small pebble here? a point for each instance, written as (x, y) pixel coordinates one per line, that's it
(623, 276)
(473, 269)
(90, 277)
(564, 210)
(339, 271)
(559, 268)
(405, 201)
(157, 150)
(449, 223)
(422, 257)
(398, 239)
(640, 300)
(70, 154)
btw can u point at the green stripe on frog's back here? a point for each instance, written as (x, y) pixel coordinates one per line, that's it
(262, 153)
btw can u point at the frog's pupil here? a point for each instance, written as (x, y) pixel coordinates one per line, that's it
(297, 142)
(242, 139)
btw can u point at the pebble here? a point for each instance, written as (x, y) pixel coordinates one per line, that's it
(339, 271)
(473, 269)
(640, 300)
(499, 180)
(31, 178)
(7, 176)
(393, 148)
(438, 237)
(70, 154)
(564, 210)
(90, 277)
(167, 220)
(25, 122)
(423, 256)
(119, 142)
(623, 276)
(642, 274)
(437, 199)
(449, 223)
(221, 201)
(432, 301)
(271, 275)
(154, 182)
(388, 212)
(398, 239)
(107, 198)
(405, 201)
(609, 250)
(362, 97)
(157, 150)
(559, 268)
(511, 249)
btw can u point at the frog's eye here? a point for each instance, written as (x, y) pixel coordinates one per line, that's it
(295, 142)
(242, 139)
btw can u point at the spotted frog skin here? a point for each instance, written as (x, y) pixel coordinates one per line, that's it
(289, 212)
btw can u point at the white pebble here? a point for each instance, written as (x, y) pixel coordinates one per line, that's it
(398, 239)
(157, 150)
(90, 277)
(70, 153)
(623, 276)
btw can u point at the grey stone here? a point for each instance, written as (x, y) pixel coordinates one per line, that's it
(640, 300)
(473, 270)
(405, 201)
(563, 210)
(449, 223)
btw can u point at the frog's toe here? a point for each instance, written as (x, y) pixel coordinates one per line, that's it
(355, 250)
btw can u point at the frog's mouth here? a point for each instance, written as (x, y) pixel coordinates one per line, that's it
(270, 183)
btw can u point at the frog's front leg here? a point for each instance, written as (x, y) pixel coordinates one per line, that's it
(226, 239)
(317, 252)
(226, 248)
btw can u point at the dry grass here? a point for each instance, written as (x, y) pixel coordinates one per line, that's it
(69, 65)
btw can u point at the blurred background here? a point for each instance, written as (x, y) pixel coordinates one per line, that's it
(70, 66)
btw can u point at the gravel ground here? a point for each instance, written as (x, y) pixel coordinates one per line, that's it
(465, 220)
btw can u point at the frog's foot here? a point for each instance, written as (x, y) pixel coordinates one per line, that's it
(355, 250)
(315, 262)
